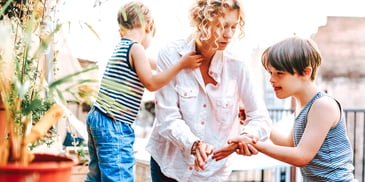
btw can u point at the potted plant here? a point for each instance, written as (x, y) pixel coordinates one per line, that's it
(30, 103)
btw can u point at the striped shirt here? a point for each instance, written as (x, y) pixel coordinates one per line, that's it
(333, 162)
(121, 91)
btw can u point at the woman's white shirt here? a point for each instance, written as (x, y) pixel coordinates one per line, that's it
(188, 110)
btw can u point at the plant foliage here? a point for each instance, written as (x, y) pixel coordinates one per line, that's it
(26, 92)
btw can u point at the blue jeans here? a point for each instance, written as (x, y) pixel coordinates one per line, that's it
(156, 174)
(110, 147)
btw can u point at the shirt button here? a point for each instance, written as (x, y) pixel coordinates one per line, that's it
(202, 122)
(190, 168)
(204, 105)
(210, 73)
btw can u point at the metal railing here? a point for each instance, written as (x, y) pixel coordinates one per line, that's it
(355, 121)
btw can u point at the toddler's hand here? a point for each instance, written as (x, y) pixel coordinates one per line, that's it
(191, 60)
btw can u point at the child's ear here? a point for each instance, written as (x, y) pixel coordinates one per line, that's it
(308, 71)
(148, 28)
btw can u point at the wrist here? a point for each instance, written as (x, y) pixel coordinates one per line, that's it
(181, 64)
(253, 138)
(195, 146)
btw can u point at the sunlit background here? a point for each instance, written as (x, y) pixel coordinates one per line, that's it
(92, 32)
(267, 21)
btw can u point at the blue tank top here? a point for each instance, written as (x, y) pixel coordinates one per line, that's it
(120, 93)
(334, 160)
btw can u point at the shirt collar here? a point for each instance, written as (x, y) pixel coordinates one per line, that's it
(187, 47)
(216, 66)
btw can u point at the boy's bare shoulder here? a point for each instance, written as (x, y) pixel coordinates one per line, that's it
(326, 105)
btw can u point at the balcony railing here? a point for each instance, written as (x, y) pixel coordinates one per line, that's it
(355, 119)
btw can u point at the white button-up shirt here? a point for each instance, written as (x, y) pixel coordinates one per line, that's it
(188, 110)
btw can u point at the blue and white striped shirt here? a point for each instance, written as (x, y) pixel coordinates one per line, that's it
(121, 91)
(334, 160)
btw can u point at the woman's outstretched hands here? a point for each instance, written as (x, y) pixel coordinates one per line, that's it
(201, 152)
(242, 145)
(191, 60)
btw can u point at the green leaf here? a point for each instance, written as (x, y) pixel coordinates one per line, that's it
(69, 77)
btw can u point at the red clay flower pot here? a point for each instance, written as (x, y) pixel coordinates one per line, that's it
(44, 168)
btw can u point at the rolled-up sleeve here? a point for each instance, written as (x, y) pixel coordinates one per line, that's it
(168, 116)
(258, 122)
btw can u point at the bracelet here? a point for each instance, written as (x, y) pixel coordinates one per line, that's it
(196, 144)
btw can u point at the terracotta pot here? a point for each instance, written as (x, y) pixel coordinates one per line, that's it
(44, 168)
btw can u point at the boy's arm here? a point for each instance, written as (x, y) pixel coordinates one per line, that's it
(153, 82)
(239, 146)
(280, 137)
(323, 115)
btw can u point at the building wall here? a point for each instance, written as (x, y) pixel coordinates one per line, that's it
(342, 44)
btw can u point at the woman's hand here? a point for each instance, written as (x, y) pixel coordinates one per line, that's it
(201, 151)
(225, 151)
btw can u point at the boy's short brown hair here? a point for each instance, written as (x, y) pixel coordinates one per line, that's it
(293, 55)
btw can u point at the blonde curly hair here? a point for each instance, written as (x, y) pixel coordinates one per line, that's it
(205, 13)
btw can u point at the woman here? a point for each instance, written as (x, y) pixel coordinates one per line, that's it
(197, 111)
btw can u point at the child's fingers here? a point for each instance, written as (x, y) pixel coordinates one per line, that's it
(197, 61)
(240, 148)
(244, 150)
(252, 149)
